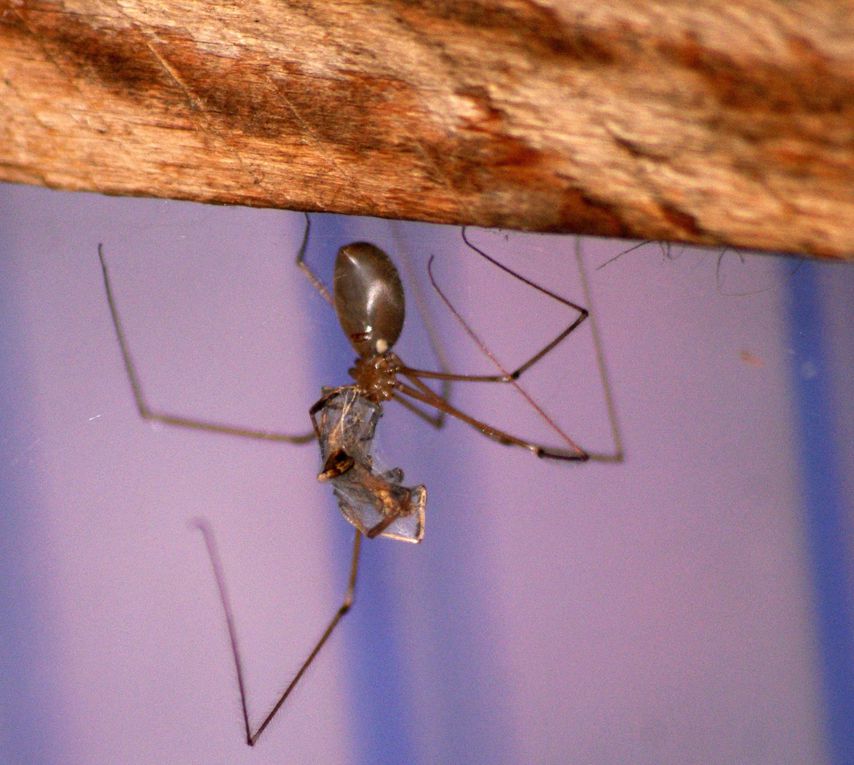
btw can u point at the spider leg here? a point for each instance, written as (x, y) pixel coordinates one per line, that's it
(147, 413)
(425, 395)
(436, 420)
(313, 278)
(446, 377)
(505, 377)
(346, 605)
(511, 378)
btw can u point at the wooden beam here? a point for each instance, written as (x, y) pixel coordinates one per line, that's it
(709, 122)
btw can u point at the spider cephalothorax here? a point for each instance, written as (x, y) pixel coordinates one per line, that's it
(376, 376)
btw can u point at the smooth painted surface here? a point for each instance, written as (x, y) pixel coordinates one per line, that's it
(816, 371)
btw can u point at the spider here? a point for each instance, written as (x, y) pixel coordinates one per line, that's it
(368, 299)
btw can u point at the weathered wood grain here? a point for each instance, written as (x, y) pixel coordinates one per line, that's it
(711, 122)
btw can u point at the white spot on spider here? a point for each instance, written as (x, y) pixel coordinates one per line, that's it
(382, 346)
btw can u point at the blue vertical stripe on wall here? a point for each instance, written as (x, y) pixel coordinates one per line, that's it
(824, 509)
(380, 702)
(30, 715)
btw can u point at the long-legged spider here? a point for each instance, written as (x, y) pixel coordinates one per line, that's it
(368, 299)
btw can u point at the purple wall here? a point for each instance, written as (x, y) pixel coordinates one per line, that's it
(664, 610)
